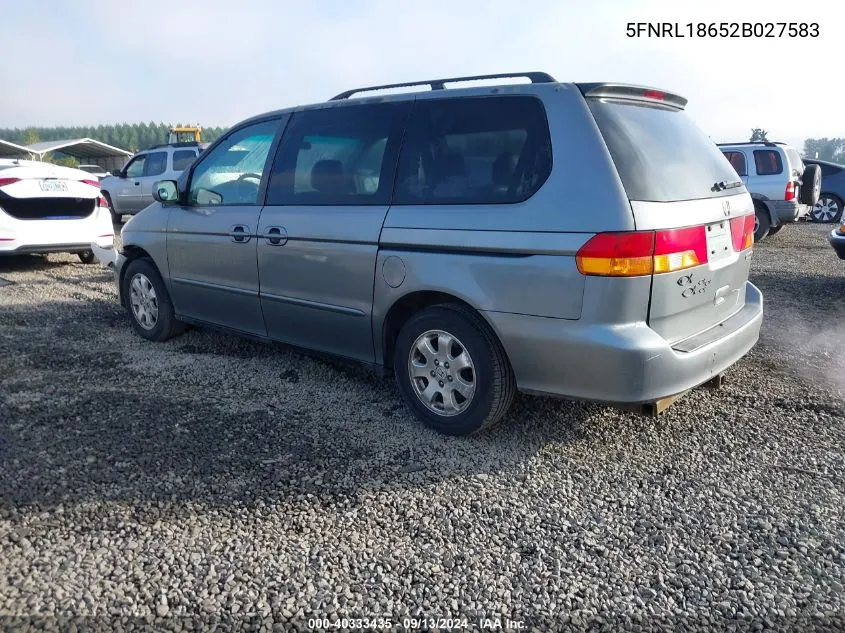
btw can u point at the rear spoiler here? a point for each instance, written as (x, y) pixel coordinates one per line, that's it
(631, 92)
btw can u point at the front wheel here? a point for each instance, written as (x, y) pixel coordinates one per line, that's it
(452, 370)
(87, 257)
(827, 209)
(148, 302)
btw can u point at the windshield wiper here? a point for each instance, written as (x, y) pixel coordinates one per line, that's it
(724, 184)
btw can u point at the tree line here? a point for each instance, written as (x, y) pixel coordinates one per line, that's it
(129, 136)
(829, 149)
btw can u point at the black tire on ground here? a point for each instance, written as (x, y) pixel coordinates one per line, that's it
(811, 186)
(87, 257)
(491, 372)
(762, 224)
(165, 325)
(773, 230)
(827, 202)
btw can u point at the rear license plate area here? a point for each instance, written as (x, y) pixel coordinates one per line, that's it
(53, 185)
(719, 241)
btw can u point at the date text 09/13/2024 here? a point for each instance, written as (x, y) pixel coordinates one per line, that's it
(722, 29)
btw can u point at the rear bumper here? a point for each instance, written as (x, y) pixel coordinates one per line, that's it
(837, 241)
(26, 249)
(622, 364)
(55, 236)
(788, 211)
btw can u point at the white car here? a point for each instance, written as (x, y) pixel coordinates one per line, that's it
(47, 208)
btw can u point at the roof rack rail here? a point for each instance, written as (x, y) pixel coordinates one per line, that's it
(439, 84)
(767, 143)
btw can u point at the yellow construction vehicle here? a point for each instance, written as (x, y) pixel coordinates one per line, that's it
(185, 134)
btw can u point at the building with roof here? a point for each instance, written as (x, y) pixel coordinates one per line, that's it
(86, 150)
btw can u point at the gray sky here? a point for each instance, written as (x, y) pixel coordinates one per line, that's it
(69, 62)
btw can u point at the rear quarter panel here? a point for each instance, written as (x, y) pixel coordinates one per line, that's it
(513, 258)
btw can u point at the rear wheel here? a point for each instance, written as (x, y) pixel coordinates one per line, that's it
(148, 302)
(762, 222)
(827, 209)
(452, 370)
(87, 257)
(773, 230)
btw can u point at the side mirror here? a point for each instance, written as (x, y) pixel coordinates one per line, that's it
(166, 191)
(118, 173)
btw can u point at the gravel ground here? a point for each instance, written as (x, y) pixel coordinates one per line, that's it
(210, 477)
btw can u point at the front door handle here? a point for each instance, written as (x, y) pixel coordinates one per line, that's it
(239, 233)
(137, 184)
(276, 236)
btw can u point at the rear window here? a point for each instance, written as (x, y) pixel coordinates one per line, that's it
(795, 160)
(767, 162)
(660, 154)
(737, 160)
(474, 150)
(182, 158)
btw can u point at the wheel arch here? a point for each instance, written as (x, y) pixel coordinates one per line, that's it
(762, 201)
(407, 306)
(132, 253)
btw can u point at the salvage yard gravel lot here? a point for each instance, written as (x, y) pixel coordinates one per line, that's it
(212, 476)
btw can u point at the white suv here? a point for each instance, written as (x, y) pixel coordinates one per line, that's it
(784, 189)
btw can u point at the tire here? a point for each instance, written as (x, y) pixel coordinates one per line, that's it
(811, 186)
(152, 315)
(488, 370)
(762, 222)
(827, 209)
(774, 230)
(87, 257)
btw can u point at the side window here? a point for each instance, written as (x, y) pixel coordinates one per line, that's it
(156, 164)
(474, 150)
(182, 158)
(135, 168)
(767, 162)
(339, 156)
(737, 160)
(231, 173)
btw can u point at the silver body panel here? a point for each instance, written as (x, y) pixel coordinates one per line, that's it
(331, 276)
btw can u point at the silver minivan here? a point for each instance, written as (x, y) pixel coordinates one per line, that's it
(580, 240)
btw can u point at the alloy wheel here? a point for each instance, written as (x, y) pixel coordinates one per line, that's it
(442, 373)
(144, 302)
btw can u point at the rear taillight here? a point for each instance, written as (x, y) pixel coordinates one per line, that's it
(617, 255)
(8, 181)
(742, 232)
(93, 183)
(637, 253)
(102, 202)
(677, 249)
(790, 191)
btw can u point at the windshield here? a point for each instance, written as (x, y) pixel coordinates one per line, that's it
(660, 154)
